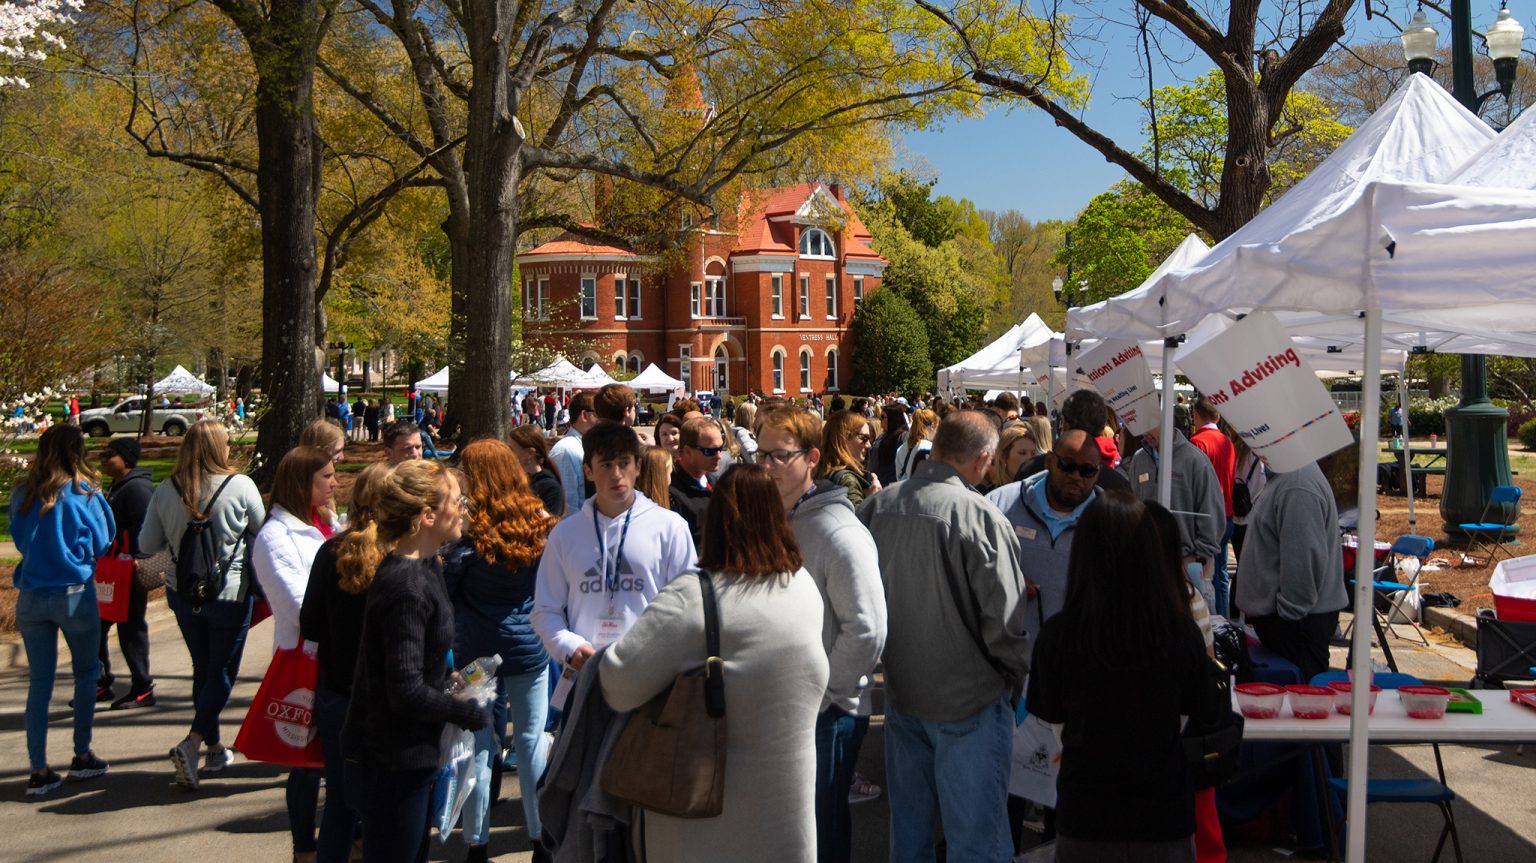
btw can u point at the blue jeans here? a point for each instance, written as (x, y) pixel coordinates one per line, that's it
(1221, 582)
(41, 615)
(957, 770)
(215, 637)
(528, 699)
(339, 823)
(395, 806)
(839, 734)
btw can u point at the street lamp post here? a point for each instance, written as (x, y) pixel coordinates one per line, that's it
(1477, 454)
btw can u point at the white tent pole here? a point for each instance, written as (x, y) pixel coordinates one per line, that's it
(1402, 398)
(1365, 564)
(1165, 435)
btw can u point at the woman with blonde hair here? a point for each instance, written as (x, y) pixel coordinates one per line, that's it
(845, 445)
(914, 450)
(301, 518)
(61, 523)
(745, 431)
(656, 476)
(332, 617)
(399, 704)
(775, 671)
(204, 487)
(326, 435)
(491, 575)
(1015, 446)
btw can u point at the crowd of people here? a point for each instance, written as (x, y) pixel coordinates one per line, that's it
(974, 554)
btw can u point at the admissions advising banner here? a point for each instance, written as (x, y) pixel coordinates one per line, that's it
(1119, 371)
(1253, 375)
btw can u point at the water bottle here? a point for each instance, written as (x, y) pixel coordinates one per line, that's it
(477, 672)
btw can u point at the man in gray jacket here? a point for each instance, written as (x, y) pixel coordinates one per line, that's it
(1197, 502)
(1044, 510)
(840, 555)
(1290, 582)
(956, 652)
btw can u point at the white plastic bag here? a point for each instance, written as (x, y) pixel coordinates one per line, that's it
(1406, 603)
(1036, 761)
(456, 767)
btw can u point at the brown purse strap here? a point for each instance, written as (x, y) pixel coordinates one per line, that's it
(714, 665)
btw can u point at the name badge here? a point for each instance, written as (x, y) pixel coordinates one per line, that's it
(1025, 533)
(1146, 477)
(609, 628)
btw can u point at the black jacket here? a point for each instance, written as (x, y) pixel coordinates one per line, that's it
(399, 708)
(129, 499)
(547, 486)
(691, 501)
(332, 618)
(885, 456)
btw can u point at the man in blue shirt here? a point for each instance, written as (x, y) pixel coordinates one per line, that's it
(567, 453)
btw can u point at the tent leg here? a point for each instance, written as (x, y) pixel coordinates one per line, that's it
(1365, 563)
(1165, 435)
(1402, 397)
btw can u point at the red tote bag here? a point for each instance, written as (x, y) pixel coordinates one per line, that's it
(280, 727)
(114, 579)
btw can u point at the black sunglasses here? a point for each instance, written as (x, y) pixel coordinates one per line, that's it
(1082, 469)
(710, 451)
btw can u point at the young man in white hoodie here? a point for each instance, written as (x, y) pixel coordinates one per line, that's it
(840, 555)
(603, 565)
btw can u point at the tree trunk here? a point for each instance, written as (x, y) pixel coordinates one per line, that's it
(1246, 177)
(480, 390)
(287, 176)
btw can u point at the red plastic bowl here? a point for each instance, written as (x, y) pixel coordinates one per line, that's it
(1424, 702)
(1311, 702)
(1342, 692)
(1260, 700)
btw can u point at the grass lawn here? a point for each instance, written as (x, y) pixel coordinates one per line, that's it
(160, 468)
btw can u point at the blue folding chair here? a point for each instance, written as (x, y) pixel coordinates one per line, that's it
(1404, 790)
(1384, 583)
(1484, 533)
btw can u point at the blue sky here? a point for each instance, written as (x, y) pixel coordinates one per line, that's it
(1020, 160)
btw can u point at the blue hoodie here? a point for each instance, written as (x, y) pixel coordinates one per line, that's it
(59, 548)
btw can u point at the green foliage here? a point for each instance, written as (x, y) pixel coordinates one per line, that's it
(1117, 241)
(890, 346)
(1528, 434)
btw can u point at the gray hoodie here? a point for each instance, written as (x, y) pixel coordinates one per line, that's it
(840, 555)
(1291, 563)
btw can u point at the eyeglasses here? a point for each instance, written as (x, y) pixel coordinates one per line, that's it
(1082, 469)
(782, 456)
(862, 437)
(710, 451)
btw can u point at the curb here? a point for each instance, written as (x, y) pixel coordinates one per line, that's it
(13, 656)
(1461, 626)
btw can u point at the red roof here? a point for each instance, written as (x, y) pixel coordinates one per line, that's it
(759, 234)
(572, 244)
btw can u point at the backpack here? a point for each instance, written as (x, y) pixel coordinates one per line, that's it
(199, 573)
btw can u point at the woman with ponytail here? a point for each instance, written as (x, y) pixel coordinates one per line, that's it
(399, 707)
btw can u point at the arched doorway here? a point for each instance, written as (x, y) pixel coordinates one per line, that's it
(722, 377)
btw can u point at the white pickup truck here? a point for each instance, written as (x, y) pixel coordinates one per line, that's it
(128, 416)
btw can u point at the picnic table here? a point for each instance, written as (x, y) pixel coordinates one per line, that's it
(1425, 460)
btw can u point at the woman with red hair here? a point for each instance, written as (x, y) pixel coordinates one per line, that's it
(490, 576)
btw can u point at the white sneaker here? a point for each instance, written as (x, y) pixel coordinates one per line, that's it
(218, 758)
(184, 759)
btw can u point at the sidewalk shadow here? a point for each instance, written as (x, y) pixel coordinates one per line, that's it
(136, 789)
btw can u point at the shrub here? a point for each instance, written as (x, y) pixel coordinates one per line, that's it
(1527, 434)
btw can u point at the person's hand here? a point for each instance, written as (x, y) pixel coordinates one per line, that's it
(580, 656)
(874, 484)
(1031, 589)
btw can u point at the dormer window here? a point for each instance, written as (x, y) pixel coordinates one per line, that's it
(814, 243)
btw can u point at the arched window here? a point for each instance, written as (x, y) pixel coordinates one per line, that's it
(587, 359)
(635, 359)
(805, 369)
(832, 369)
(814, 243)
(778, 370)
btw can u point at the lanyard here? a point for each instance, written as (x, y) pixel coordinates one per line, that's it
(611, 579)
(803, 498)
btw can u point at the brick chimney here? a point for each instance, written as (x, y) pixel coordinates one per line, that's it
(837, 190)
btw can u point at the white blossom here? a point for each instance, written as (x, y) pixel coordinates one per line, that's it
(27, 28)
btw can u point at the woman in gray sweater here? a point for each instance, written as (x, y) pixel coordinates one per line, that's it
(204, 486)
(775, 677)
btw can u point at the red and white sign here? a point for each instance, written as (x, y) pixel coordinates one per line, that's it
(1252, 373)
(1119, 371)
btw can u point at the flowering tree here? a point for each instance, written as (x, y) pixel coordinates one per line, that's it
(26, 28)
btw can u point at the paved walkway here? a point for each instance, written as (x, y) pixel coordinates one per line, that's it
(136, 811)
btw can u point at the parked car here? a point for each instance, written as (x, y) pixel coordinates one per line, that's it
(128, 416)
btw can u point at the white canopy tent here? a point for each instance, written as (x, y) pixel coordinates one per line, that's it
(1367, 237)
(598, 376)
(560, 373)
(437, 383)
(181, 381)
(329, 384)
(996, 366)
(653, 379)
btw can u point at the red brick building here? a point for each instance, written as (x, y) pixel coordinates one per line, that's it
(762, 307)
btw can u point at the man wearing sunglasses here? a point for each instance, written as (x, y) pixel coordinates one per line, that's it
(698, 456)
(1044, 510)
